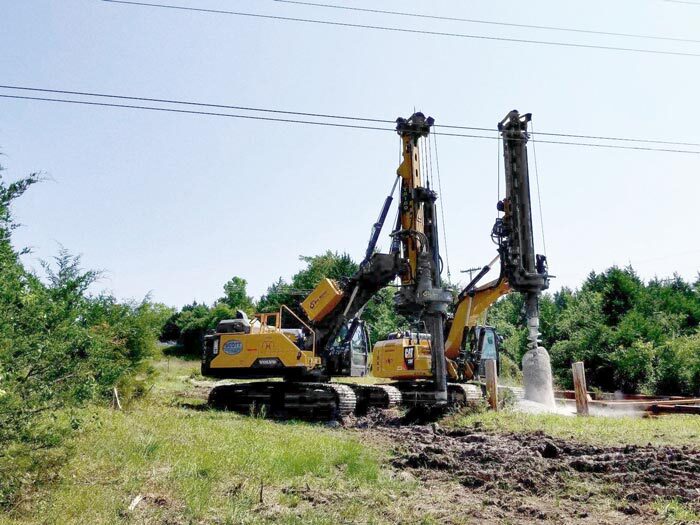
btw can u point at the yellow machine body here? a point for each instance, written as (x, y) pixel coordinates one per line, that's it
(267, 349)
(406, 358)
(402, 358)
(321, 301)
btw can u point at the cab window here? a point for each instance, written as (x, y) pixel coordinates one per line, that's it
(488, 346)
(358, 341)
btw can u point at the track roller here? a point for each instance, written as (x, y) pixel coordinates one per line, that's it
(375, 396)
(422, 393)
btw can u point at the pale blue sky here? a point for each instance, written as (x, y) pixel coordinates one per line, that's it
(175, 205)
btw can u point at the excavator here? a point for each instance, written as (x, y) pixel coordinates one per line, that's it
(329, 340)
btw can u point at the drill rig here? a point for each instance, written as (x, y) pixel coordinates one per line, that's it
(329, 339)
(410, 357)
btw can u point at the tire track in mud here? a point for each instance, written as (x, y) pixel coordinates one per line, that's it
(510, 467)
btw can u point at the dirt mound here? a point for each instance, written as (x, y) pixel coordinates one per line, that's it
(503, 465)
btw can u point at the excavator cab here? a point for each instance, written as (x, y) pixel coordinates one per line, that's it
(480, 343)
(487, 347)
(349, 355)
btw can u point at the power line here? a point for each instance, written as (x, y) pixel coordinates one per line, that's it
(492, 22)
(207, 113)
(200, 104)
(566, 143)
(404, 30)
(330, 124)
(589, 137)
(326, 115)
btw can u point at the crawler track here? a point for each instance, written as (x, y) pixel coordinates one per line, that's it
(375, 396)
(286, 400)
(417, 394)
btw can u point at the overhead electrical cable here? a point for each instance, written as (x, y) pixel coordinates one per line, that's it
(200, 104)
(326, 115)
(318, 123)
(490, 22)
(192, 112)
(589, 137)
(406, 30)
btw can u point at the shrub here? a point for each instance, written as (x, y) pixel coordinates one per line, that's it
(678, 366)
(60, 347)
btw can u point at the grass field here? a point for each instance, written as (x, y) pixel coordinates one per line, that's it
(195, 466)
(633, 430)
(182, 464)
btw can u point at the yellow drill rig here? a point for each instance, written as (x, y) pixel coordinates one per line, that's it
(328, 339)
(430, 367)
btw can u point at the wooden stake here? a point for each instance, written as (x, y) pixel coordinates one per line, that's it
(135, 502)
(115, 399)
(580, 388)
(491, 383)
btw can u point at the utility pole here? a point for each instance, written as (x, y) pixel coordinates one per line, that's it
(471, 271)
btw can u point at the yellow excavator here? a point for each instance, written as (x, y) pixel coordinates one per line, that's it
(327, 339)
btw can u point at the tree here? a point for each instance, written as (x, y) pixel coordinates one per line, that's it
(381, 317)
(331, 265)
(619, 290)
(278, 293)
(59, 348)
(236, 296)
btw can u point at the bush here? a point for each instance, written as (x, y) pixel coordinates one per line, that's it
(632, 336)
(678, 366)
(60, 347)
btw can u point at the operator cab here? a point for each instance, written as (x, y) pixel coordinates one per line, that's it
(349, 355)
(488, 347)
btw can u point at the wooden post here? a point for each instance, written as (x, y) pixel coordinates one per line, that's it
(491, 383)
(580, 388)
(115, 399)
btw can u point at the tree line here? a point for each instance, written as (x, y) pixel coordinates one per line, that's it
(633, 336)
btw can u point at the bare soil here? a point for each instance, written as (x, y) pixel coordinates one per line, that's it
(521, 478)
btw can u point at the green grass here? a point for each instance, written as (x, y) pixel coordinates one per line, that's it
(197, 460)
(674, 512)
(198, 465)
(173, 374)
(195, 465)
(665, 430)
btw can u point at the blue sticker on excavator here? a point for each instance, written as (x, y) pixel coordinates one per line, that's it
(233, 347)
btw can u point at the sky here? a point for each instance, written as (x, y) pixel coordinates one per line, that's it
(174, 205)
